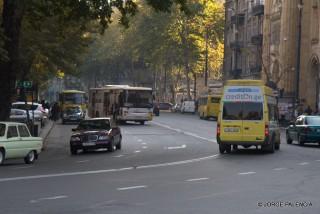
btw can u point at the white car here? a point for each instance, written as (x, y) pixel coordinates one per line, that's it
(39, 111)
(188, 107)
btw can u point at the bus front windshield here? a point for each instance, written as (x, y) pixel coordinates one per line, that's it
(139, 99)
(69, 98)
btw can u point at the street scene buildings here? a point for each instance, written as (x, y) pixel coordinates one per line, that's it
(278, 41)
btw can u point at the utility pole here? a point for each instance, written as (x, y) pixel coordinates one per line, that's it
(206, 63)
(297, 97)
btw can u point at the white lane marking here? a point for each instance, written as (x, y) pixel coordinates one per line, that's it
(138, 151)
(197, 179)
(318, 160)
(130, 188)
(108, 170)
(23, 167)
(246, 173)
(177, 162)
(143, 143)
(118, 156)
(49, 198)
(144, 147)
(177, 147)
(278, 169)
(303, 163)
(184, 132)
(82, 161)
(139, 140)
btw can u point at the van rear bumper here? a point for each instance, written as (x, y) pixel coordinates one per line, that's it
(248, 143)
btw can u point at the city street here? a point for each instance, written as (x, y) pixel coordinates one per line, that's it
(169, 165)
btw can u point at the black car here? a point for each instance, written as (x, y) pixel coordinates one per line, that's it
(95, 133)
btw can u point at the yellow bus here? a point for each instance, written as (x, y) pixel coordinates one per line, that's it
(208, 106)
(248, 116)
(72, 98)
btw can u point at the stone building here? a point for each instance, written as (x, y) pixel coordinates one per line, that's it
(243, 39)
(309, 92)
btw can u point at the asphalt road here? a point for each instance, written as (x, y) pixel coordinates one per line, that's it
(170, 165)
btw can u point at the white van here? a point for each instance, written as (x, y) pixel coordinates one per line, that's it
(188, 107)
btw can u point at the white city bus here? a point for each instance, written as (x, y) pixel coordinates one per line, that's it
(122, 102)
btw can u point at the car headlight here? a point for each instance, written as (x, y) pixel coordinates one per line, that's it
(104, 137)
(76, 138)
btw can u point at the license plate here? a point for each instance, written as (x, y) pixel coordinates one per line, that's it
(89, 144)
(231, 129)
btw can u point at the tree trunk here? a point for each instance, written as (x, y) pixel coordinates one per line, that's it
(12, 14)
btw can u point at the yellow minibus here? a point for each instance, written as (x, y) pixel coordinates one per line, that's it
(248, 116)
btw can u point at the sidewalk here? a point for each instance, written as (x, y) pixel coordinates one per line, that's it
(45, 131)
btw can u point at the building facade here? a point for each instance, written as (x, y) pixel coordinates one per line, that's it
(243, 39)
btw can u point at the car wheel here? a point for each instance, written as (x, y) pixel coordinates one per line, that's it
(73, 151)
(289, 141)
(63, 122)
(30, 158)
(119, 144)
(228, 149)
(235, 147)
(271, 147)
(111, 147)
(301, 143)
(142, 122)
(222, 148)
(2, 156)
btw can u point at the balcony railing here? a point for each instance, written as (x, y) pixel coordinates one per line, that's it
(236, 45)
(238, 19)
(257, 39)
(258, 8)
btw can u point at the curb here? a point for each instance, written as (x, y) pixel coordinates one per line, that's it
(46, 136)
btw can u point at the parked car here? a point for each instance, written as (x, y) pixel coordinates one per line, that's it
(165, 106)
(21, 116)
(72, 114)
(16, 142)
(188, 107)
(306, 129)
(95, 133)
(33, 107)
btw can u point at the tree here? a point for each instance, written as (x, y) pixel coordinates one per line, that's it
(14, 11)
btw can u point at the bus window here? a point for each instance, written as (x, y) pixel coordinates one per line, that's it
(232, 111)
(252, 111)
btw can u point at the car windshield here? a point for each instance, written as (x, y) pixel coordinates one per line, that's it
(2, 129)
(314, 121)
(94, 125)
(73, 110)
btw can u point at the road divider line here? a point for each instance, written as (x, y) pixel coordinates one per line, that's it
(246, 173)
(177, 147)
(184, 132)
(82, 161)
(279, 169)
(143, 143)
(197, 179)
(107, 170)
(130, 188)
(303, 163)
(49, 198)
(318, 160)
(118, 156)
(138, 151)
(144, 147)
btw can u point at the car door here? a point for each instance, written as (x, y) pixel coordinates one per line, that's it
(27, 144)
(14, 149)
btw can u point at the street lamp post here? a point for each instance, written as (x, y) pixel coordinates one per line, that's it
(296, 100)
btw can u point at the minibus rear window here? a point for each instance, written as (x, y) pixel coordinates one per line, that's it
(232, 111)
(215, 100)
(242, 111)
(252, 111)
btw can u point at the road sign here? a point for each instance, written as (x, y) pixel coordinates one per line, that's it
(24, 84)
